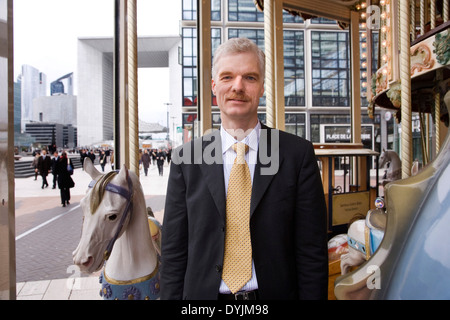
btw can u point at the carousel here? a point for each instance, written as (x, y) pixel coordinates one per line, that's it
(394, 248)
(383, 245)
(391, 249)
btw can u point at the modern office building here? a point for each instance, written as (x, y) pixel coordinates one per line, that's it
(57, 108)
(33, 85)
(47, 133)
(62, 85)
(17, 105)
(316, 72)
(316, 76)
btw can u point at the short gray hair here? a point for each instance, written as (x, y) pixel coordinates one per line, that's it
(239, 45)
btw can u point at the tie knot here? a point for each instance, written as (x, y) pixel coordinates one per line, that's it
(240, 148)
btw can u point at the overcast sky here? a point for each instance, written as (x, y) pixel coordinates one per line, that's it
(46, 33)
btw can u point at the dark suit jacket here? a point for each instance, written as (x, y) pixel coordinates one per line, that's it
(44, 165)
(288, 221)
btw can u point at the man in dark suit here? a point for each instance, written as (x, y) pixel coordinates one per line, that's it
(287, 218)
(44, 165)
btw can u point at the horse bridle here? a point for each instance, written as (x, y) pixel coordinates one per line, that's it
(128, 195)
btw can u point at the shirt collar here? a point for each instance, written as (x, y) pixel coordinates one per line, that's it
(252, 139)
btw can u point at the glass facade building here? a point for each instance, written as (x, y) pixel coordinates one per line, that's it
(316, 69)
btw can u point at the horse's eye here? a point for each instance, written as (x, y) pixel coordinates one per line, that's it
(112, 217)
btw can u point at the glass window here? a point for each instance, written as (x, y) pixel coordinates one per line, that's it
(256, 35)
(190, 62)
(190, 10)
(291, 18)
(321, 20)
(295, 124)
(330, 69)
(317, 119)
(294, 68)
(244, 10)
(189, 66)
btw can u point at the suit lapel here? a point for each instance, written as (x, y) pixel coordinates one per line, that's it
(213, 170)
(269, 160)
(268, 153)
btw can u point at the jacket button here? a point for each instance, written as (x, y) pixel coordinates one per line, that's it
(218, 268)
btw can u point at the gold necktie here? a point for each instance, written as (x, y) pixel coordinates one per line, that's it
(237, 265)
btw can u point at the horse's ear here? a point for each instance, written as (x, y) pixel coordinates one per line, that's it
(90, 169)
(123, 173)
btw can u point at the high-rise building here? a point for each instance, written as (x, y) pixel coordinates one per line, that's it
(18, 105)
(33, 85)
(63, 85)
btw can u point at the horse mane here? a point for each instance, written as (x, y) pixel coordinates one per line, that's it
(99, 190)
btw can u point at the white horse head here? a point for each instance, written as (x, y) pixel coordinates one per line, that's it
(115, 228)
(102, 213)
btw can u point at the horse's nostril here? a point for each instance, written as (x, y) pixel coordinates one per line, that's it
(88, 262)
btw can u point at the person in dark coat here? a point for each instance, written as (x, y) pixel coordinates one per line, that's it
(65, 181)
(44, 165)
(102, 160)
(146, 161)
(54, 161)
(160, 157)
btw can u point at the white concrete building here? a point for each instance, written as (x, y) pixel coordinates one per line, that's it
(94, 75)
(34, 84)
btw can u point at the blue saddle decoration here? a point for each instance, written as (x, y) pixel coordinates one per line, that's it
(140, 289)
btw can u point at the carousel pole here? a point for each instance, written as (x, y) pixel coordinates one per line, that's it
(446, 11)
(133, 88)
(204, 53)
(270, 69)
(437, 110)
(405, 78)
(121, 130)
(278, 48)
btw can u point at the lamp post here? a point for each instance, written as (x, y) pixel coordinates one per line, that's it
(167, 104)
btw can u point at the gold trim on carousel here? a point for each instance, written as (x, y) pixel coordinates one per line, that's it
(133, 281)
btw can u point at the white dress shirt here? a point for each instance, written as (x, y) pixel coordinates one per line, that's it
(228, 156)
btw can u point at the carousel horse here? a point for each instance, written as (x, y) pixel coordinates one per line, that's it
(394, 171)
(116, 236)
(364, 237)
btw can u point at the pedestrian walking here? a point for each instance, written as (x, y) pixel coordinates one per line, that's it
(145, 161)
(160, 157)
(102, 160)
(64, 169)
(35, 163)
(55, 175)
(169, 155)
(44, 165)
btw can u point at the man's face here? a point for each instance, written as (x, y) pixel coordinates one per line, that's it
(238, 85)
